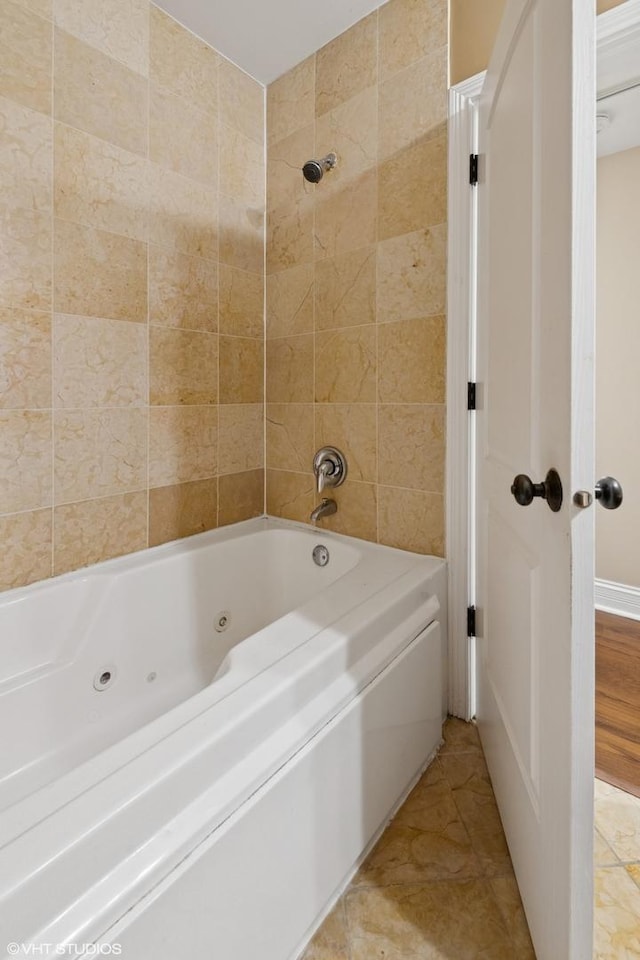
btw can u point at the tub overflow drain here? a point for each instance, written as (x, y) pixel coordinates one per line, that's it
(104, 678)
(223, 622)
(320, 555)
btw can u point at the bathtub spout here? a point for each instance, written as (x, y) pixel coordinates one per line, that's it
(324, 509)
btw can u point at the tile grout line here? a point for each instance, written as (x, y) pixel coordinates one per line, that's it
(218, 392)
(489, 880)
(264, 298)
(51, 315)
(376, 279)
(367, 483)
(314, 311)
(599, 833)
(376, 398)
(127, 491)
(148, 345)
(433, 881)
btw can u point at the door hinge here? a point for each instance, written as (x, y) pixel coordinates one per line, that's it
(473, 169)
(471, 621)
(471, 396)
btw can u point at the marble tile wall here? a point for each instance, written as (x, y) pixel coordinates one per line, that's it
(356, 277)
(131, 285)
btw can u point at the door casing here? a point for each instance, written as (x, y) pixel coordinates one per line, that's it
(618, 33)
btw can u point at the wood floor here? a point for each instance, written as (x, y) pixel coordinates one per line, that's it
(618, 701)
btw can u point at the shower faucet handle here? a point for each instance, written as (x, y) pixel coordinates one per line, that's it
(325, 470)
(329, 467)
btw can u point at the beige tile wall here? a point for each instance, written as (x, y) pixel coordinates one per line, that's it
(356, 277)
(131, 285)
(132, 345)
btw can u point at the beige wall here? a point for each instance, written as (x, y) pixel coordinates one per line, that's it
(356, 277)
(618, 362)
(474, 25)
(604, 5)
(132, 204)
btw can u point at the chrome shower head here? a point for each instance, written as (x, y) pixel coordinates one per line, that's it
(314, 170)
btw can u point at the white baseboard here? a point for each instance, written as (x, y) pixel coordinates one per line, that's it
(618, 598)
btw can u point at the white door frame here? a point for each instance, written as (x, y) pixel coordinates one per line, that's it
(617, 33)
(461, 351)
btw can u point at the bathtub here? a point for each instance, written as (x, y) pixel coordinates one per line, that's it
(202, 740)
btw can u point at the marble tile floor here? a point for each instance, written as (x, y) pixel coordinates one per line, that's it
(617, 874)
(439, 884)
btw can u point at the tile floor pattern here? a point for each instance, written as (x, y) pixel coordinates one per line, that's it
(439, 884)
(617, 874)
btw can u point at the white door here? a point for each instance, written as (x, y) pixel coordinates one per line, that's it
(535, 649)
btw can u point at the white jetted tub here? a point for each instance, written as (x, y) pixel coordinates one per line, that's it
(200, 741)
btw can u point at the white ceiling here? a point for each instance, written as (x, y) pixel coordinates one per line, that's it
(618, 82)
(621, 129)
(268, 37)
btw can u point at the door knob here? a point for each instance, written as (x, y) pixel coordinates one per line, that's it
(525, 490)
(609, 493)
